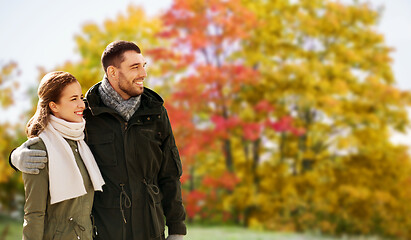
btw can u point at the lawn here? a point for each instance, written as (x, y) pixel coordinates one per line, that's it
(237, 233)
(9, 229)
(196, 232)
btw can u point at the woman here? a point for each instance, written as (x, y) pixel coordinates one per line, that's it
(59, 199)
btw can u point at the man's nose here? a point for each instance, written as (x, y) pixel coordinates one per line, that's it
(144, 73)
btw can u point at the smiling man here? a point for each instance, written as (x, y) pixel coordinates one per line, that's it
(130, 136)
(126, 74)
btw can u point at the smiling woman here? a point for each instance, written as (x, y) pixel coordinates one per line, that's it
(70, 106)
(58, 200)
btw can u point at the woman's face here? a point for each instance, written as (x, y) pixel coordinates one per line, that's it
(70, 105)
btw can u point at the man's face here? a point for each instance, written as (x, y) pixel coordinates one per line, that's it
(131, 75)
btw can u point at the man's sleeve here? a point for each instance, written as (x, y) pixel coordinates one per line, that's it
(11, 164)
(170, 185)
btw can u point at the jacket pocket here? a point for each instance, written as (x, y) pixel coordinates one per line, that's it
(176, 157)
(103, 149)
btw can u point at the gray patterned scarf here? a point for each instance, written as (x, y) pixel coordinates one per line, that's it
(109, 96)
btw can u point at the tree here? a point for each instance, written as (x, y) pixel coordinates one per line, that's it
(133, 26)
(282, 121)
(321, 100)
(8, 83)
(223, 136)
(324, 63)
(11, 135)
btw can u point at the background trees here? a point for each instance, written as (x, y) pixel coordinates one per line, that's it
(10, 135)
(323, 63)
(282, 111)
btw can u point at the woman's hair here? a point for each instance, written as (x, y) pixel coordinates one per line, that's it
(50, 89)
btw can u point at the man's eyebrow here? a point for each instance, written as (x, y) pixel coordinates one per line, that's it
(137, 64)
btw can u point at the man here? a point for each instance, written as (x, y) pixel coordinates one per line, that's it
(129, 133)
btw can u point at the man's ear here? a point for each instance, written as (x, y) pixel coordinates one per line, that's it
(53, 106)
(111, 72)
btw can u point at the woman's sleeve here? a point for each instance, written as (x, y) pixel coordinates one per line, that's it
(36, 187)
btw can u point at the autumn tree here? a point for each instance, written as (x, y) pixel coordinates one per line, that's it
(133, 25)
(11, 135)
(313, 94)
(282, 110)
(324, 63)
(220, 135)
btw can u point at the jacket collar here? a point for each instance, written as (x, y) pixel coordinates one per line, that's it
(151, 102)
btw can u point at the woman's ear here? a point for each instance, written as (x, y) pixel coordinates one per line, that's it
(53, 106)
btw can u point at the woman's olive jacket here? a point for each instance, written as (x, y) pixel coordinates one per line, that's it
(141, 166)
(66, 220)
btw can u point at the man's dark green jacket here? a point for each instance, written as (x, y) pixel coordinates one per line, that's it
(141, 166)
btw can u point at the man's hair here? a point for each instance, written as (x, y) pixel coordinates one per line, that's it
(113, 55)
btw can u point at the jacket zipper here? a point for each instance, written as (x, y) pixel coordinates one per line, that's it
(94, 227)
(124, 127)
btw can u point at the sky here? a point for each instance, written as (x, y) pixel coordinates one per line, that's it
(41, 33)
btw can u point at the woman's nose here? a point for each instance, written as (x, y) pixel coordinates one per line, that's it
(81, 104)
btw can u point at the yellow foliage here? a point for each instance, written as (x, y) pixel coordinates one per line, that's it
(320, 62)
(10, 137)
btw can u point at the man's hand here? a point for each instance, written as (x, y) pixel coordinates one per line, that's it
(175, 237)
(29, 160)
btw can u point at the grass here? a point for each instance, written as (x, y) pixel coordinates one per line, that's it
(10, 229)
(238, 233)
(196, 232)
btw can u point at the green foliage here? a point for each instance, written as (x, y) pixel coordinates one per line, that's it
(320, 102)
(133, 26)
(323, 63)
(11, 135)
(282, 121)
(8, 83)
(10, 229)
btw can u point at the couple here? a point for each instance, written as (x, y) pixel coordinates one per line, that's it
(130, 159)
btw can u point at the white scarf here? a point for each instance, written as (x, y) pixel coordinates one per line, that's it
(65, 178)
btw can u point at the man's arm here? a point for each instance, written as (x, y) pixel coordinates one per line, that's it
(28, 160)
(170, 185)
